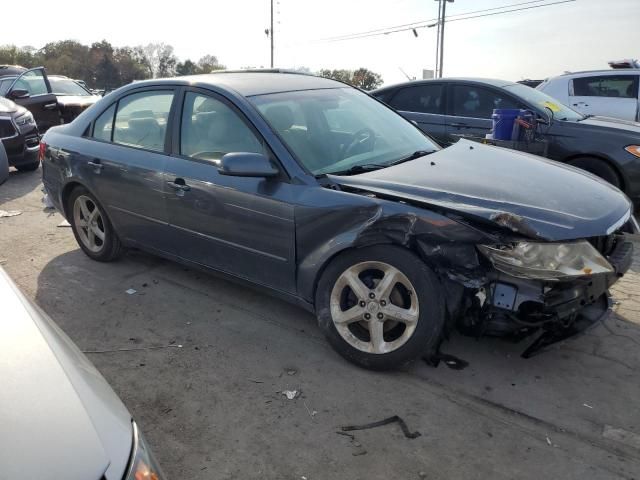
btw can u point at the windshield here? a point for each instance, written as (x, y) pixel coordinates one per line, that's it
(65, 86)
(335, 130)
(544, 102)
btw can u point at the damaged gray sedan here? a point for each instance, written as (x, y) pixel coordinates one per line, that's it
(329, 199)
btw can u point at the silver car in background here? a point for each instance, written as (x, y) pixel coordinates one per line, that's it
(59, 418)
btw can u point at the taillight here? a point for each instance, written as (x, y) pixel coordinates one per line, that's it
(41, 152)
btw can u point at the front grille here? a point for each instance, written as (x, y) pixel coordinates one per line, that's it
(6, 128)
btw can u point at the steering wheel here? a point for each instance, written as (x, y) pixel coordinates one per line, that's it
(363, 141)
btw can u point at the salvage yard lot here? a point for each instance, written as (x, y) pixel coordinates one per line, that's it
(201, 363)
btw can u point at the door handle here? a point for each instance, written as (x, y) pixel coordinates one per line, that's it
(179, 186)
(580, 103)
(50, 106)
(95, 164)
(459, 125)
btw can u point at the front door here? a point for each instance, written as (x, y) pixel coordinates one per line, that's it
(240, 225)
(470, 108)
(123, 160)
(36, 97)
(606, 95)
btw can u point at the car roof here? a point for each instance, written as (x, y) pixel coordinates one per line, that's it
(611, 71)
(494, 82)
(11, 70)
(253, 82)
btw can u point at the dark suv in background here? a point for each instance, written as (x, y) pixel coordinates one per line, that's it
(31, 89)
(19, 135)
(449, 109)
(52, 100)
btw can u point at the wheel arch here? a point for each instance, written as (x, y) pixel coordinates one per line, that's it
(623, 180)
(69, 187)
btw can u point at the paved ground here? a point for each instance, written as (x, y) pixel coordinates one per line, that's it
(200, 361)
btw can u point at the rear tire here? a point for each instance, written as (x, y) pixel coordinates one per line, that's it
(91, 227)
(28, 167)
(600, 168)
(380, 307)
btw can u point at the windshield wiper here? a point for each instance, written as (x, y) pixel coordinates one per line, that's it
(367, 167)
(413, 156)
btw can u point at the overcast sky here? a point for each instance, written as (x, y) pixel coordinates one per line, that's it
(533, 43)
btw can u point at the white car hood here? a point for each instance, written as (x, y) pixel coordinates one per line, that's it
(59, 418)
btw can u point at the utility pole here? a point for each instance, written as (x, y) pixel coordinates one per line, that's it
(438, 37)
(442, 12)
(271, 33)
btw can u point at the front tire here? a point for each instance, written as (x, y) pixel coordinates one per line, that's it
(91, 227)
(380, 307)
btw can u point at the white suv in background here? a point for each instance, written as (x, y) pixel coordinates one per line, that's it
(608, 93)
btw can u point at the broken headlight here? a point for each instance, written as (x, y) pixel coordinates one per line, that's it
(547, 261)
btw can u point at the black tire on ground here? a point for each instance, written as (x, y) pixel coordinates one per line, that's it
(430, 314)
(28, 167)
(111, 248)
(599, 168)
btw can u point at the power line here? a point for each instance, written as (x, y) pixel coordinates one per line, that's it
(337, 37)
(420, 24)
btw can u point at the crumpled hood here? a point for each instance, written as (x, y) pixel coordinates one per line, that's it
(59, 417)
(530, 195)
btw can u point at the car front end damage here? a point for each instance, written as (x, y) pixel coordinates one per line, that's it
(553, 306)
(517, 288)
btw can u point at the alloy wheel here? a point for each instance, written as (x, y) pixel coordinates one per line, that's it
(374, 307)
(89, 223)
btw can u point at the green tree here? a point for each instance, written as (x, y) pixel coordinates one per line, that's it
(161, 60)
(209, 63)
(360, 78)
(187, 68)
(366, 79)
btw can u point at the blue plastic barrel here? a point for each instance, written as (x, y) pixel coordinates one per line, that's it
(503, 119)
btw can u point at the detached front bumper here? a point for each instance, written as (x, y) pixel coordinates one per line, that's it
(520, 307)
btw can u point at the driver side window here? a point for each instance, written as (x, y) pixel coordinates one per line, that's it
(33, 82)
(210, 129)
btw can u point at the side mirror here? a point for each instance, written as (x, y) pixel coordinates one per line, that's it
(245, 164)
(18, 93)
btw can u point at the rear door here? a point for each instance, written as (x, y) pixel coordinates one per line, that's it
(469, 110)
(609, 95)
(424, 105)
(240, 225)
(38, 98)
(123, 165)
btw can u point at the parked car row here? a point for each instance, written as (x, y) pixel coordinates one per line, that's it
(448, 109)
(30, 103)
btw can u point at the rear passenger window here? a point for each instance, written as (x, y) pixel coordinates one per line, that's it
(103, 125)
(211, 129)
(141, 119)
(618, 86)
(421, 98)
